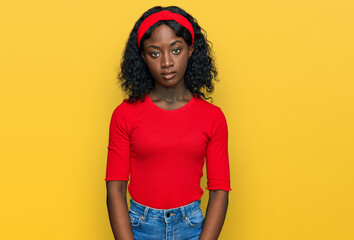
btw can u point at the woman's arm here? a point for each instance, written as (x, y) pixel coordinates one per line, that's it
(215, 214)
(118, 210)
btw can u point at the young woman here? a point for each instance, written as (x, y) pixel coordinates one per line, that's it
(160, 136)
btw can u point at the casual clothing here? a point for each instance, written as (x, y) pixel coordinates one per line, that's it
(185, 222)
(164, 151)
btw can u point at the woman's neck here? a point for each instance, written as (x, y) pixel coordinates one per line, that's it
(170, 94)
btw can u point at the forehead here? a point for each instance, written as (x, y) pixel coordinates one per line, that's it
(161, 35)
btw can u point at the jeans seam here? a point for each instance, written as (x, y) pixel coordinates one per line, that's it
(193, 212)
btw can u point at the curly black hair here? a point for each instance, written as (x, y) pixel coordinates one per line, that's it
(135, 77)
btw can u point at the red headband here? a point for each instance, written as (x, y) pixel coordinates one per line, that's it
(163, 15)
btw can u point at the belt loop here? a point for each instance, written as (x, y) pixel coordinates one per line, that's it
(145, 213)
(183, 213)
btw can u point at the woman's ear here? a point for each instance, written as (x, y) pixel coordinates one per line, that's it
(142, 54)
(190, 51)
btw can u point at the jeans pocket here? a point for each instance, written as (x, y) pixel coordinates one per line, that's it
(135, 219)
(195, 219)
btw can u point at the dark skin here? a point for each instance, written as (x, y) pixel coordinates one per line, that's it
(118, 210)
(165, 53)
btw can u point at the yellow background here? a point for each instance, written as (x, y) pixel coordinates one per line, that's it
(287, 84)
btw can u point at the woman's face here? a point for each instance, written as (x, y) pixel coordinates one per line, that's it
(166, 56)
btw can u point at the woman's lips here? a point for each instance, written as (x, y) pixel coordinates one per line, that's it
(168, 76)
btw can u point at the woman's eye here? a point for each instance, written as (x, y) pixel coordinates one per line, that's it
(176, 51)
(154, 54)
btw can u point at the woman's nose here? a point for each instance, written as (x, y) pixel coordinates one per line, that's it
(166, 61)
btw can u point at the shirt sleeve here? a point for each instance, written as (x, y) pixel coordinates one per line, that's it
(217, 157)
(118, 156)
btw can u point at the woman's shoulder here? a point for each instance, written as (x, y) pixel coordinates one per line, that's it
(127, 106)
(213, 112)
(208, 106)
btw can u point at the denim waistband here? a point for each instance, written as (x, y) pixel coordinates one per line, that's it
(168, 214)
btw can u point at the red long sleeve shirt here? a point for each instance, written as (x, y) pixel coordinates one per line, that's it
(163, 151)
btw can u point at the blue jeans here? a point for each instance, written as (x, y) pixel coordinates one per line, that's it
(182, 223)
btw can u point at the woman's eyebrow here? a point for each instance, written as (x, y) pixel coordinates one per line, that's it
(175, 42)
(154, 46)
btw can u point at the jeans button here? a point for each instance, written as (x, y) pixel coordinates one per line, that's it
(168, 214)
